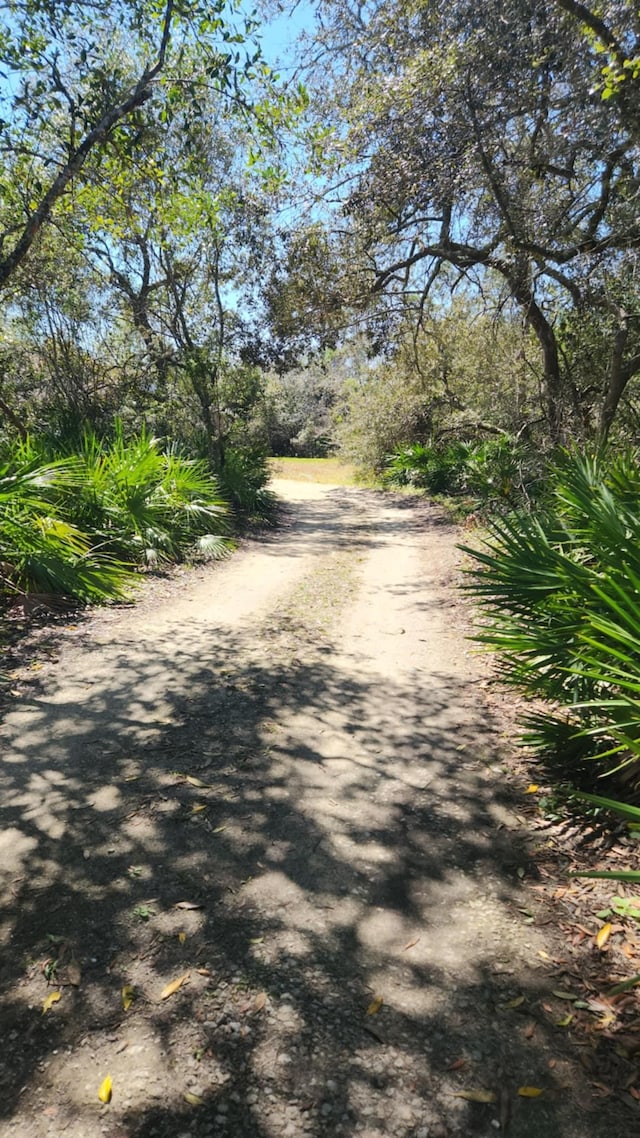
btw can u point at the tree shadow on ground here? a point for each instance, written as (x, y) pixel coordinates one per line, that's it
(305, 824)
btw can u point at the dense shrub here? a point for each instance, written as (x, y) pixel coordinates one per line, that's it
(80, 523)
(41, 551)
(145, 503)
(297, 411)
(560, 591)
(441, 469)
(497, 472)
(381, 410)
(243, 480)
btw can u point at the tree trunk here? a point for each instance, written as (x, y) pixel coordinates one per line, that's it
(552, 379)
(619, 375)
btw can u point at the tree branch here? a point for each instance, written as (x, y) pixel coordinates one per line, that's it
(598, 27)
(139, 95)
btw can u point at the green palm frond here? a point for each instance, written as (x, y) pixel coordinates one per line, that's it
(560, 596)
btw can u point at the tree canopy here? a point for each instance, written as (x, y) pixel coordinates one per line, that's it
(496, 140)
(161, 223)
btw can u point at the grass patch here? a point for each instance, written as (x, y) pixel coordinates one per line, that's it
(322, 470)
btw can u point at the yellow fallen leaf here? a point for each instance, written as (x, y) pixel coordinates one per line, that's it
(259, 1002)
(198, 807)
(106, 1087)
(173, 986)
(51, 999)
(603, 935)
(531, 789)
(529, 1092)
(565, 1021)
(375, 1005)
(475, 1096)
(606, 1021)
(194, 781)
(516, 1003)
(128, 996)
(182, 937)
(193, 1100)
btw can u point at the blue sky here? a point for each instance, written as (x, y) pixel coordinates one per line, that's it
(279, 35)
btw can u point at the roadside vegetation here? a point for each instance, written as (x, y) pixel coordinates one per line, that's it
(403, 254)
(79, 524)
(453, 305)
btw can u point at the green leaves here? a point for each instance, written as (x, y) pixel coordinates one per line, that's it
(561, 594)
(146, 504)
(43, 551)
(77, 525)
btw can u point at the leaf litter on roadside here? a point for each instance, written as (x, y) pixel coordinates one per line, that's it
(603, 934)
(171, 988)
(72, 974)
(476, 1095)
(517, 1002)
(411, 943)
(259, 1002)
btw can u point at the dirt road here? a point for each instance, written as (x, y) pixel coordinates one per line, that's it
(276, 781)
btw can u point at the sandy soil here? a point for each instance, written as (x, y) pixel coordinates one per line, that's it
(277, 780)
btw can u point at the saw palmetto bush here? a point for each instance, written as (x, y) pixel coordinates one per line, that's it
(43, 553)
(502, 472)
(560, 594)
(243, 480)
(496, 473)
(79, 524)
(439, 468)
(148, 504)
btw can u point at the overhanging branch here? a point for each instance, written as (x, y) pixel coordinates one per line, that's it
(138, 96)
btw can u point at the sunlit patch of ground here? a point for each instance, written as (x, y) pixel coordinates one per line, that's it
(323, 470)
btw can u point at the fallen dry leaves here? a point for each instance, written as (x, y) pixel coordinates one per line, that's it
(597, 977)
(411, 944)
(478, 1095)
(174, 986)
(193, 1100)
(260, 1002)
(128, 996)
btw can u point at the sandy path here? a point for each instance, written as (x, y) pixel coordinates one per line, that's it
(344, 836)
